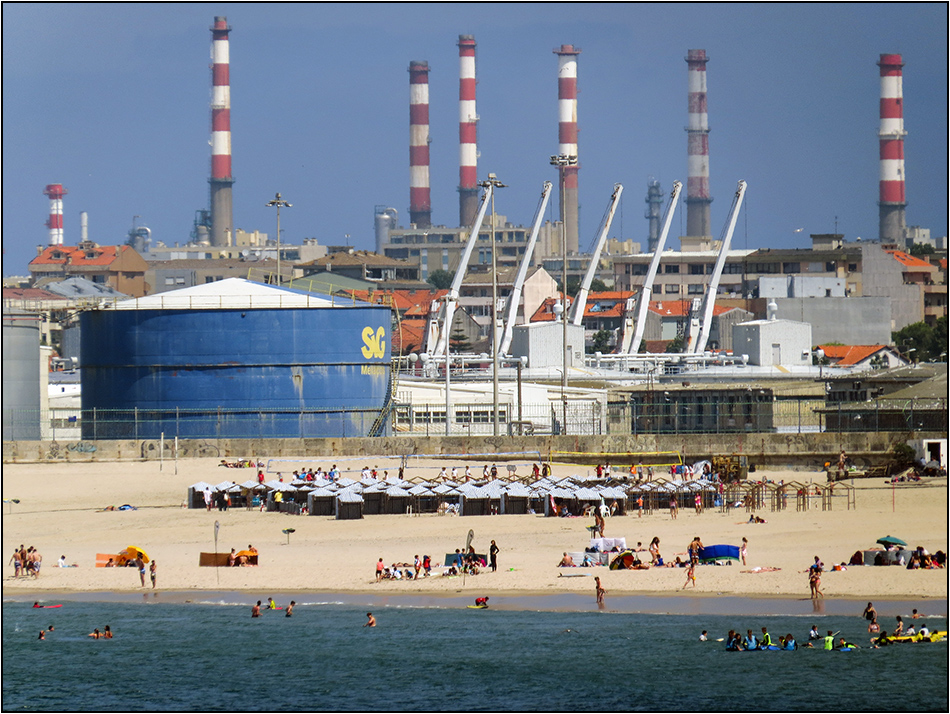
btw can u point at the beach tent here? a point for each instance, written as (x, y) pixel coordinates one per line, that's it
(321, 502)
(516, 499)
(349, 505)
(396, 500)
(196, 494)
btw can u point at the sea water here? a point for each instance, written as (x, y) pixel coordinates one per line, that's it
(214, 656)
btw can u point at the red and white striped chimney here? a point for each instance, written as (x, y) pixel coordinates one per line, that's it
(697, 131)
(55, 191)
(893, 199)
(222, 209)
(468, 140)
(567, 142)
(420, 202)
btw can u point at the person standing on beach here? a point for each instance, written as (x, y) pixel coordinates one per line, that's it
(640, 506)
(493, 556)
(744, 549)
(655, 551)
(379, 569)
(153, 572)
(256, 610)
(599, 589)
(140, 564)
(673, 507)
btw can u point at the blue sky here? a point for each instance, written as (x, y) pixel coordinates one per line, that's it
(111, 100)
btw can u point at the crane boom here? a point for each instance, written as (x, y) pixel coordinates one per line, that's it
(580, 303)
(632, 345)
(447, 312)
(709, 300)
(515, 298)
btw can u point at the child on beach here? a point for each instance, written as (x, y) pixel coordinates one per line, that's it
(599, 590)
(690, 575)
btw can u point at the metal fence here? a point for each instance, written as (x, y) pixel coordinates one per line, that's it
(753, 414)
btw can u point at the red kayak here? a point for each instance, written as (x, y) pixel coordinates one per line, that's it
(45, 606)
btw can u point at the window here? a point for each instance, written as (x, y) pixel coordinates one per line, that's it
(694, 289)
(697, 269)
(852, 267)
(789, 268)
(179, 281)
(730, 269)
(638, 269)
(672, 289)
(169, 281)
(671, 269)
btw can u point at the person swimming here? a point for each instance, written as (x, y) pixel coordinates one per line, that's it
(271, 605)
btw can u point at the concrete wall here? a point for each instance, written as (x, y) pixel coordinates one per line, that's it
(884, 277)
(758, 338)
(806, 452)
(850, 321)
(800, 286)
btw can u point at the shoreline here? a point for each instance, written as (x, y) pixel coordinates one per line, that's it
(640, 603)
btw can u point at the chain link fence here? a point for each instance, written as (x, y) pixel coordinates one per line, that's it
(756, 412)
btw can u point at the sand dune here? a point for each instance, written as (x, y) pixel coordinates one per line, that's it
(60, 513)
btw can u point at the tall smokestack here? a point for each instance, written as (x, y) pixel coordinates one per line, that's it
(420, 202)
(567, 141)
(468, 141)
(55, 191)
(222, 209)
(654, 201)
(893, 199)
(83, 226)
(697, 179)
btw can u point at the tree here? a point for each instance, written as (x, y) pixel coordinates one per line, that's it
(917, 342)
(601, 341)
(922, 249)
(458, 338)
(440, 279)
(676, 344)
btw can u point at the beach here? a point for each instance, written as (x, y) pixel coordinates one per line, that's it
(60, 512)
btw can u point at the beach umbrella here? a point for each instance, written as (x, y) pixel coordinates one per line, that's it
(134, 552)
(890, 540)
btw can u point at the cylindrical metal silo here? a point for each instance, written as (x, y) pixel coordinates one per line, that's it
(21, 376)
(203, 364)
(385, 220)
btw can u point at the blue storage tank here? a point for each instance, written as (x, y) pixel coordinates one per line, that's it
(235, 359)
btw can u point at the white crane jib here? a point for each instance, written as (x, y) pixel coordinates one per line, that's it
(709, 299)
(515, 298)
(580, 303)
(447, 312)
(633, 334)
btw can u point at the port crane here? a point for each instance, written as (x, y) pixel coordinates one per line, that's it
(441, 316)
(700, 319)
(515, 298)
(580, 303)
(634, 325)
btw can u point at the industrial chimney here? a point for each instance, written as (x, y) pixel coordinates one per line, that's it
(893, 199)
(420, 202)
(566, 160)
(654, 201)
(468, 139)
(55, 191)
(697, 131)
(222, 209)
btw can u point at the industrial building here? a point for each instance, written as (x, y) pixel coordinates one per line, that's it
(238, 359)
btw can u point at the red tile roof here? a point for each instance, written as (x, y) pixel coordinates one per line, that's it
(850, 355)
(909, 261)
(103, 255)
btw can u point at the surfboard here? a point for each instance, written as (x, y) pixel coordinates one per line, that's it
(477, 607)
(573, 575)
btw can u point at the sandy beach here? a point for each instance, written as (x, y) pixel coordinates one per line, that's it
(60, 513)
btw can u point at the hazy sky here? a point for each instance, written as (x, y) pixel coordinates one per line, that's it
(111, 100)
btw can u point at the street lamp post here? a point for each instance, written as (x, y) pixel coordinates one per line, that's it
(561, 160)
(494, 182)
(278, 202)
